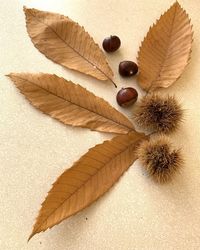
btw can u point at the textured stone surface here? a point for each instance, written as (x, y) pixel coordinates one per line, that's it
(35, 149)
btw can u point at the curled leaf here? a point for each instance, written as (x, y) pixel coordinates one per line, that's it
(66, 43)
(70, 103)
(88, 179)
(166, 49)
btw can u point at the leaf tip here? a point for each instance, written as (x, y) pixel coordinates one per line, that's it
(10, 75)
(176, 3)
(30, 237)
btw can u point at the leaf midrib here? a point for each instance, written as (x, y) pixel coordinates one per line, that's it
(58, 96)
(93, 65)
(167, 51)
(98, 170)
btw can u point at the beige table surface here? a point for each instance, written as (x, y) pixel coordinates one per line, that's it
(35, 149)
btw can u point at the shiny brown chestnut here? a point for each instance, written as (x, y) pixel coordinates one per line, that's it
(126, 96)
(128, 68)
(111, 43)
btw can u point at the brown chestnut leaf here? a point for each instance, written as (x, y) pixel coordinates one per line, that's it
(70, 103)
(166, 49)
(66, 43)
(88, 179)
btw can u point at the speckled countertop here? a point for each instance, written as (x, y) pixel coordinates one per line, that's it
(35, 149)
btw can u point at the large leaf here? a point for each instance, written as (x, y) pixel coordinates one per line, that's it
(66, 43)
(70, 103)
(166, 49)
(88, 179)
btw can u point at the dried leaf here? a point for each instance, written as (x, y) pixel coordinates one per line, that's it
(166, 49)
(70, 103)
(67, 43)
(88, 179)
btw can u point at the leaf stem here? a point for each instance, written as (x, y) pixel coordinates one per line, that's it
(107, 77)
(113, 82)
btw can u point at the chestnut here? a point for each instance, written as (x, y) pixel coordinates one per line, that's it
(126, 96)
(111, 43)
(128, 68)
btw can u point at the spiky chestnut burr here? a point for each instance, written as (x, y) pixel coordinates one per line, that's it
(159, 158)
(158, 114)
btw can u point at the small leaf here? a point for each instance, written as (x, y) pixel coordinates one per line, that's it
(70, 103)
(66, 43)
(88, 179)
(166, 49)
